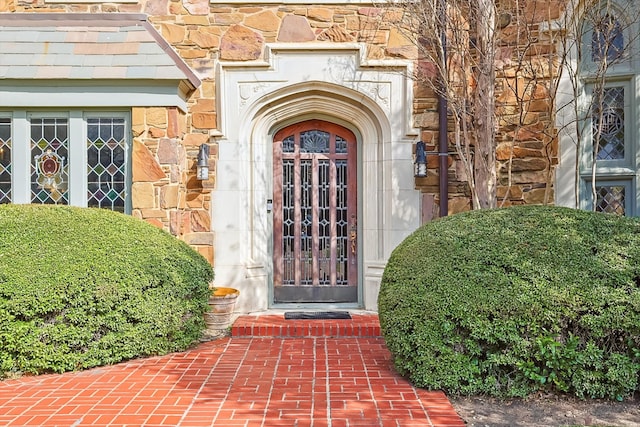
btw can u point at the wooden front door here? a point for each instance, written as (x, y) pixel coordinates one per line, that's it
(315, 214)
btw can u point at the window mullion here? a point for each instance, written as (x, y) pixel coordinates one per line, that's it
(77, 161)
(21, 160)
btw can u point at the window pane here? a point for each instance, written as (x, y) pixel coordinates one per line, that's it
(49, 154)
(314, 141)
(608, 118)
(106, 167)
(5, 160)
(288, 144)
(341, 145)
(611, 199)
(607, 40)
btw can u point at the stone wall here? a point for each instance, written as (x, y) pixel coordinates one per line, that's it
(527, 141)
(165, 191)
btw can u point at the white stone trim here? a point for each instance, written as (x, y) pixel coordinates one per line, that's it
(77, 159)
(296, 83)
(77, 94)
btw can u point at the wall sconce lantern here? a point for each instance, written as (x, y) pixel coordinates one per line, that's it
(202, 167)
(420, 165)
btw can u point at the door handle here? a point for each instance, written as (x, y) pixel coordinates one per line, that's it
(353, 234)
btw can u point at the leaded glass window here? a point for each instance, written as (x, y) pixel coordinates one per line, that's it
(106, 166)
(609, 155)
(611, 199)
(288, 145)
(307, 220)
(608, 124)
(607, 39)
(341, 145)
(314, 141)
(288, 221)
(5, 160)
(49, 166)
(342, 219)
(65, 158)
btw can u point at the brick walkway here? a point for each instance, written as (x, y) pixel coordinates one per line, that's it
(241, 381)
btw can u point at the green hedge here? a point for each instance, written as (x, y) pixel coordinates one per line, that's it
(88, 287)
(509, 302)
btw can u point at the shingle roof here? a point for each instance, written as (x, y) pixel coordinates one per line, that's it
(87, 46)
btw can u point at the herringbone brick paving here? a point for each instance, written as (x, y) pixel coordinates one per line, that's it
(319, 381)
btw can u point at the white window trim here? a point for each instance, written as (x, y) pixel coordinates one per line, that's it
(628, 182)
(20, 159)
(108, 95)
(630, 135)
(621, 66)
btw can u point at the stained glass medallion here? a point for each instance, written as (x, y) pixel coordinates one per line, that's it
(49, 168)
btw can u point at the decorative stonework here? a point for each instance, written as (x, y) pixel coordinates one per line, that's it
(381, 92)
(201, 220)
(246, 91)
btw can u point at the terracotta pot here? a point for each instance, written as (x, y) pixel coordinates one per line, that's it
(222, 303)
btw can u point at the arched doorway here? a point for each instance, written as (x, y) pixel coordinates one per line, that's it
(336, 85)
(315, 219)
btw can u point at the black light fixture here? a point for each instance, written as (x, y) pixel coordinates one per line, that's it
(202, 167)
(420, 165)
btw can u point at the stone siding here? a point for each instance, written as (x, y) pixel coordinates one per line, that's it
(527, 138)
(166, 140)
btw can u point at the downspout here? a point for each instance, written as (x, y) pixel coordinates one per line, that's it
(443, 156)
(443, 143)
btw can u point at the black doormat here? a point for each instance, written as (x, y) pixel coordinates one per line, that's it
(292, 315)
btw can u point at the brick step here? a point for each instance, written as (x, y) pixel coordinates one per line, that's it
(275, 325)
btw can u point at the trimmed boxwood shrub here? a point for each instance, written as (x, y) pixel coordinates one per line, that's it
(509, 302)
(88, 287)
